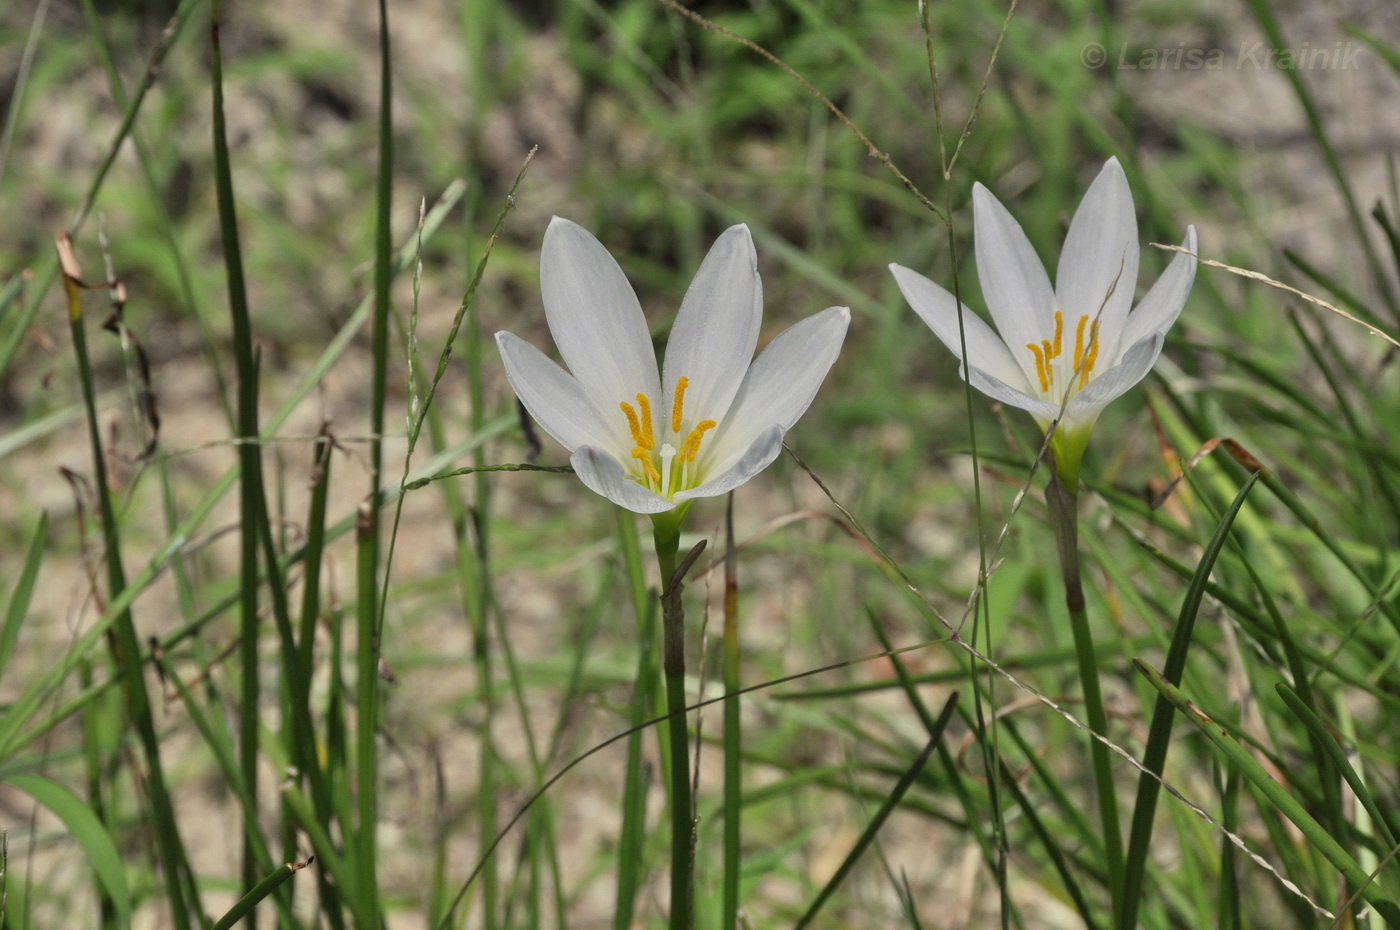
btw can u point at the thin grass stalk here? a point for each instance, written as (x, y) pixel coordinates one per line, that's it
(169, 848)
(365, 894)
(907, 683)
(157, 201)
(1229, 907)
(1064, 520)
(886, 808)
(1388, 827)
(473, 568)
(1154, 758)
(733, 737)
(22, 593)
(631, 847)
(23, 709)
(981, 610)
(542, 833)
(368, 615)
(481, 606)
(1245, 462)
(216, 737)
(311, 555)
(298, 731)
(261, 889)
(250, 508)
(1373, 464)
(46, 277)
(93, 741)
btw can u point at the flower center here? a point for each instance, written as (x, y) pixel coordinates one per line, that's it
(1085, 354)
(674, 470)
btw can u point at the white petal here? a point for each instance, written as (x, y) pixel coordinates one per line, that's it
(553, 397)
(715, 333)
(595, 318)
(779, 386)
(604, 475)
(1014, 284)
(939, 310)
(1115, 382)
(997, 389)
(1162, 304)
(756, 458)
(1099, 263)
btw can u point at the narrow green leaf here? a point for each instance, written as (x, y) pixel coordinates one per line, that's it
(1154, 759)
(259, 891)
(890, 803)
(18, 608)
(1242, 760)
(1309, 718)
(89, 833)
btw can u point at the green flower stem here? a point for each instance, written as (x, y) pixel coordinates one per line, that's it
(733, 742)
(666, 529)
(1063, 501)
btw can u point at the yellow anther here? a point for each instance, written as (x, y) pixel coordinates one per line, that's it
(1079, 342)
(647, 441)
(634, 425)
(678, 405)
(1059, 331)
(1090, 354)
(641, 428)
(1049, 355)
(644, 457)
(632, 422)
(1039, 354)
(692, 442)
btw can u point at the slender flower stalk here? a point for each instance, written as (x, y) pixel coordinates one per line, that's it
(653, 441)
(1063, 354)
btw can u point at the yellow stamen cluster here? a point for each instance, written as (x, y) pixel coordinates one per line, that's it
(639, 422)
(1049, 350)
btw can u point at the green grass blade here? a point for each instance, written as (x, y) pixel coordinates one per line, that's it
(368, 619)
(1240, 758)
(18, 607)
(252, 507)
(173, 861)
(45, 278)
(260, 890)
(886, 808)
(1154, 758)
(990, 852)
(1390, 829)
(88, 832)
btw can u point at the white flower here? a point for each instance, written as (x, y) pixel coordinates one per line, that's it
(1063, 353)
(710, 420)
